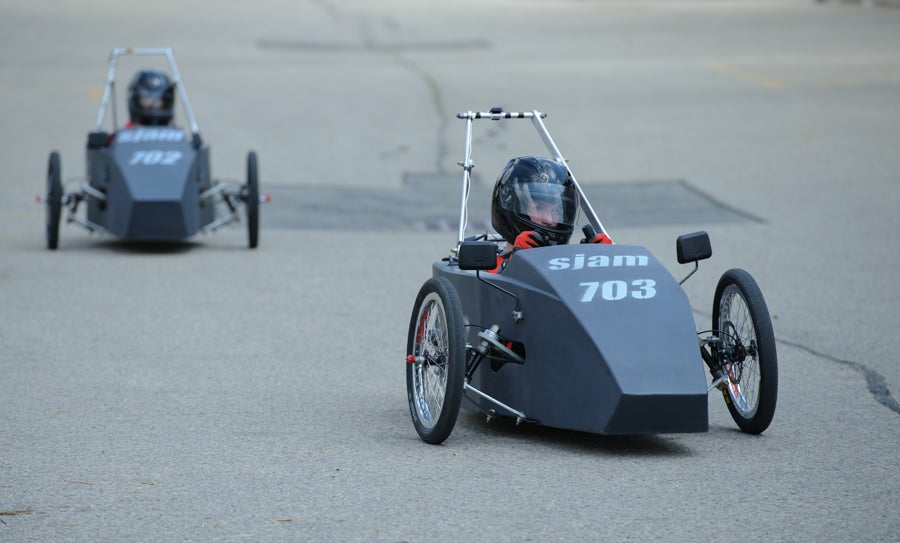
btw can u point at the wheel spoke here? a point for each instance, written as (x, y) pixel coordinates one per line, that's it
(743, 373)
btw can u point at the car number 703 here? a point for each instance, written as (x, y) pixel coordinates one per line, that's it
(640, 289)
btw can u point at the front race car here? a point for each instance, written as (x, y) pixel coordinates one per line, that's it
(606, 336)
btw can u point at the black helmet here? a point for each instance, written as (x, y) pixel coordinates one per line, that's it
(151, 96)
(527, 184)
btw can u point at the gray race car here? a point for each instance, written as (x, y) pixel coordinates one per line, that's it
(150, 183)
(591, 337)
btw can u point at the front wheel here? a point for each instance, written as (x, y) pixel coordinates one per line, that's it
(252, 201)
(747, 350)
(435, 369)
(54, 200)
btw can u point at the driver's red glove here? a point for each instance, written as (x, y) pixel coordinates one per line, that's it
(602, 238)
(528, 240)
(500, 260)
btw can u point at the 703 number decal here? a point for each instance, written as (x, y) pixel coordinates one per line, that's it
(611, 291)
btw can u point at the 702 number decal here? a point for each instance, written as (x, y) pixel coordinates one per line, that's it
(611, 291)
(154, 158)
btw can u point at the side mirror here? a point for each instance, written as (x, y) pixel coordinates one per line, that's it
(477, 255)
(98, 140)
(693, 247)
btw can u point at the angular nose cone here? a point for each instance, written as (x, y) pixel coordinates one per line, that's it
(660, 381)
(154, 220)
(159, 199)
(614, 348)
(659, 414)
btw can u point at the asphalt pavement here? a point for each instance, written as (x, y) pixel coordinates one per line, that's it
(206, 391)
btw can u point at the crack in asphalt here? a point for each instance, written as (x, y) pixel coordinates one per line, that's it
(329, 8)
(394, 53)
(434, 89)
(875, 382)
(437, 104)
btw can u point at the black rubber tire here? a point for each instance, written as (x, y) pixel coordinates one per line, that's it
(436, 330)
(54, 200)
(252, 201)
(752, 392)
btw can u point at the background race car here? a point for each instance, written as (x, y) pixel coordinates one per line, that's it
(150, 180)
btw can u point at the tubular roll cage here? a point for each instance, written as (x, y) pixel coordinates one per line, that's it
(109, 90)
(496, 114)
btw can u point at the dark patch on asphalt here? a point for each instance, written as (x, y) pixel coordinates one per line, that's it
(431, 202)
(368, 45)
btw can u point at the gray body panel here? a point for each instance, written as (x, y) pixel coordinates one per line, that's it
(610, 339)
(152, 178)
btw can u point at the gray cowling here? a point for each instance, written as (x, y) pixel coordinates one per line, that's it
(156, 196)
(619, 366)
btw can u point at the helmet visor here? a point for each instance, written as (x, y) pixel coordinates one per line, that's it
(151, 102)
(546, 204)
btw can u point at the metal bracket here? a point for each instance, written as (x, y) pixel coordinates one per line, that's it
(496, 402)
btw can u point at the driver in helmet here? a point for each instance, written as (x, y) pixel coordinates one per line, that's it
(535, 204)
(151, 97)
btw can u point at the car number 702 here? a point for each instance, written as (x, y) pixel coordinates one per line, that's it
(154, 158)
(640, 289)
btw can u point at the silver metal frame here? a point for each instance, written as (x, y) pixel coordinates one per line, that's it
(109, 90)
(519, 415)
(467, 165)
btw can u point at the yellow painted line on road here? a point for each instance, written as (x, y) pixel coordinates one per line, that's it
(768, 82)
(96, 92)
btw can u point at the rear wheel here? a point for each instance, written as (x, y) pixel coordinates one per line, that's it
(54, 200)
(747, 344)
(252, 201)
(435, 370)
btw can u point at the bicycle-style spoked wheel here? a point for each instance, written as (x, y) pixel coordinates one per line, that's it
(54, 200)
(435, 370)
(252, 201)
(747, 342)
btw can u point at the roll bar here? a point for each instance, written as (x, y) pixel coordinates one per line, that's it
(109, 90)
(496, 114)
